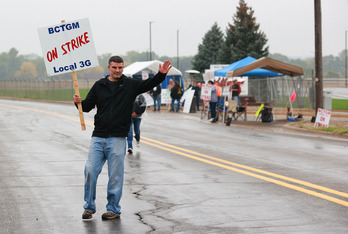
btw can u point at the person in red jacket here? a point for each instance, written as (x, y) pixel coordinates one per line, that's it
(236, 91)
(113, 96)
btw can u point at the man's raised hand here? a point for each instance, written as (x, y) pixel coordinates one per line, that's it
(165, 67)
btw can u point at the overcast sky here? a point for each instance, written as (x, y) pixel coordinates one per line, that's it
(121, 26)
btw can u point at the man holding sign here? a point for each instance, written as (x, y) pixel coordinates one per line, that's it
(114, 96)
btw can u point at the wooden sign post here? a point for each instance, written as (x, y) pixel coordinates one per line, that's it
(68, 47)
(76, 87)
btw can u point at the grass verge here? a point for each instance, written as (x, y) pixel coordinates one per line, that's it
(335, 130)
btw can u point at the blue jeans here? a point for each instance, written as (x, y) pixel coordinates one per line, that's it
(136, 122)
(237, 99)
(197, 102)
(213, 109)
(112, 149)
(177, 106)
(157, 100)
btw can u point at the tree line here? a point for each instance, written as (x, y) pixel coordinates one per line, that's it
(15, 66)
(242, 38)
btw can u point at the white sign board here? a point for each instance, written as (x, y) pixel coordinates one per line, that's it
(323, 118)
(145, 75)
(188, 100)
(206, 92)
(68, 47)
(183, 97)
(148, 99)
(165, 96)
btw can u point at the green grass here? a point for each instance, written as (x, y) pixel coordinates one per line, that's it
(51, 95)
(335, 130)
(339, 104)
(83, 93)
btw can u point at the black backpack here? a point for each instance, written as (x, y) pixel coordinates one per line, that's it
(266, 115)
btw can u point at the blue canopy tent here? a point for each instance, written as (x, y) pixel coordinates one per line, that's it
(241, 63)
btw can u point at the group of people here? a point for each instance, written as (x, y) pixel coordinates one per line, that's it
(216, 95)
(176, 93)
(120, 105)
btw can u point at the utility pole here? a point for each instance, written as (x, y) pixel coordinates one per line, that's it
(150, 40)
(345, 51)
(318, 57)
(177, 49)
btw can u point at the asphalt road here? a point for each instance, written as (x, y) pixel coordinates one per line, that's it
(187, 176)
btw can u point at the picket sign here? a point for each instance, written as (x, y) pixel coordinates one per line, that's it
(79, 106)
(323, 118)
(68, 47)
(206, 92)
(77, 91)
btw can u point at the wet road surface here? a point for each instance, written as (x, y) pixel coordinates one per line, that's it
(187, 176)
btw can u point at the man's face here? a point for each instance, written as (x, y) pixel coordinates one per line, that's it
(116, 70)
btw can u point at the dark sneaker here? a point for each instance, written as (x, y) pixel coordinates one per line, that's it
(87, 214)
(109, 216)
(130, 151)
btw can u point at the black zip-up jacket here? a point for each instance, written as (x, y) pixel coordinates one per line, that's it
(114, 109)
(175, 92)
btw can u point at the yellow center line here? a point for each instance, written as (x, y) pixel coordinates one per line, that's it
(294, 187)
(218, 162)
(342, 194)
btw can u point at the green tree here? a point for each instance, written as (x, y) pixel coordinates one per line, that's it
(209, 49)
(134, 56)
(3, 65)
(243, 38)
(40, 66)
(331, 74)
(331, 64)
(14, 62)
(27, 71)
(342, 58)
(9, 63)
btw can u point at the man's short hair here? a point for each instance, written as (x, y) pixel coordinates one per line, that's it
(115, 59)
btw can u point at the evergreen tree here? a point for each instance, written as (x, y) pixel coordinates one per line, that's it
(14, 62)
(209, 49)
(243, 38)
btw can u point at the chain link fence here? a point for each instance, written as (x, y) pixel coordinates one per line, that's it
(275, 90)
(278, 90)
(43, 89)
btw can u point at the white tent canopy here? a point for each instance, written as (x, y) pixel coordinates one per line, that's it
(192, 71)
(150, 65)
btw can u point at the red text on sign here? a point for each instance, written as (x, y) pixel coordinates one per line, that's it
(51, 55)
(75, 43)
